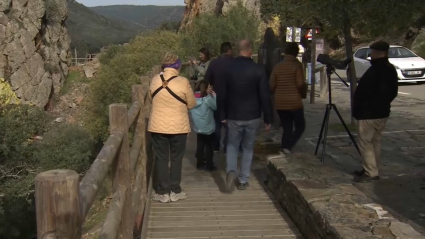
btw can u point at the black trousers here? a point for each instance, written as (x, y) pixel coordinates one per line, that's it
(168, 147)
(289, 120)
(204, 150)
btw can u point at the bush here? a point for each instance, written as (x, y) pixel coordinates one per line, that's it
(75, 76)
(106, 57)
(22, 157)
(18, 124)
(210, 31)
(65, 147)
(112, 83)
(418, 45)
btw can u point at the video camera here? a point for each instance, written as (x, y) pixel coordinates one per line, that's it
(325, 59)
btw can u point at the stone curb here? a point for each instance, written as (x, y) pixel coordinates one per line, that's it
(323, 202)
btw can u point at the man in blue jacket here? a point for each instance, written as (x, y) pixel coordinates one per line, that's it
(243, 96)
(215, 75)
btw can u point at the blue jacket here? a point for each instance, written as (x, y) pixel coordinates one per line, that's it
(245, 92)
(203, 115)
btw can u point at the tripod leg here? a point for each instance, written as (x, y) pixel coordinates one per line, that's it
(346, 128)
(326, 134)
(323, 127)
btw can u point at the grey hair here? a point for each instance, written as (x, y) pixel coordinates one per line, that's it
(245, 45)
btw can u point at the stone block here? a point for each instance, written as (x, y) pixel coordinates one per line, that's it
(323, 203)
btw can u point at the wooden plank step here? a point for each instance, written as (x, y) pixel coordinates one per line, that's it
(274, 216)
(212, 234)
(196, 228)
(233, 237)
(218, 223)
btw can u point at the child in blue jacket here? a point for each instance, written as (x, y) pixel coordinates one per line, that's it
(204, 125)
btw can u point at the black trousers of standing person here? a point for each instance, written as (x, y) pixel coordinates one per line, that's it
(290, 119)
(205, 151)
(169, 147)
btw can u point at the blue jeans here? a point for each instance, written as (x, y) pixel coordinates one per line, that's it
(218, 126)
(241, 134)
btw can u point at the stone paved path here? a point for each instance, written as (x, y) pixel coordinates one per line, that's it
(402, 187)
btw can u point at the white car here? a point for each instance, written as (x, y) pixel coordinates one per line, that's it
(410, 67)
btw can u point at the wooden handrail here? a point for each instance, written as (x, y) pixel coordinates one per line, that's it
(92, 181)
(126, 165)
(113, 218)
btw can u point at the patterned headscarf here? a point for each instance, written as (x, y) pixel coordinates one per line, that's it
(176, 65)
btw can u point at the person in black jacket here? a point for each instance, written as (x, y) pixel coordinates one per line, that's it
(377, 88)
(243, 96)
(215, 75)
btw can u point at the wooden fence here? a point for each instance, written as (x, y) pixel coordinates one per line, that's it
(63, 201)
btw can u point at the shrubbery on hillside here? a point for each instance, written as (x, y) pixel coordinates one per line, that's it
(122, 66)
(29, 145)
(418, 45)
(210, 31)
(123, 69)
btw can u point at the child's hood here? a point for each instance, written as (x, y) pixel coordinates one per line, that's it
(199, 100)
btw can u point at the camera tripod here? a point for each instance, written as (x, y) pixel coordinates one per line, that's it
(330, 106)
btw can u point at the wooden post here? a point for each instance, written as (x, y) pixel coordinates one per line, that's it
(57, 204)
(121, 170)
(313, 66)
(140, 189)
(76, 57)
(323, 82)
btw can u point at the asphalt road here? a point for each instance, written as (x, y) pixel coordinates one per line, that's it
(413, 90)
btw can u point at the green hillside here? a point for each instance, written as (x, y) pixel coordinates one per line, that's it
(146, 17)
(89, 31)
(93, 28)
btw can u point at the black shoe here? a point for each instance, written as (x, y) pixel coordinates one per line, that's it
(211, 168)
(242, 186)
(359, 173)
(200, 167)
(365, 179)
(230, 181)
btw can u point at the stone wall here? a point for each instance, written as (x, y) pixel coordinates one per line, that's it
(218, 7)
(34, 48)
(323, 202)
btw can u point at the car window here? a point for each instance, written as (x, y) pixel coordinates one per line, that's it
(400, 52)
(362, 53)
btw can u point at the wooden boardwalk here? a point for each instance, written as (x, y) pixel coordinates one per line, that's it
(210, 213)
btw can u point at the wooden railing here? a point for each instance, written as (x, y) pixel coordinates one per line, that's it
(63, 201)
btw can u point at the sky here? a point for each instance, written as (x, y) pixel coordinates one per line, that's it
(92, 3)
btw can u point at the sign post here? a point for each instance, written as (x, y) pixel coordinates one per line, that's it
(293, 34)
(313, 66)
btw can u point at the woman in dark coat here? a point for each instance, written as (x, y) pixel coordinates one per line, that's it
(269, 54)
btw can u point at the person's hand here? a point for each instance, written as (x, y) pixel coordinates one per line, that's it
(268, 126)
(213, 93)
(224, 121)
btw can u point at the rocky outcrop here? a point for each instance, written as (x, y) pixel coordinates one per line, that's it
(34, 48)
(218, 7)
(324, 203)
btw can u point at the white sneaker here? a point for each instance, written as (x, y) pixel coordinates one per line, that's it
(161, 198)
(286, 151)
(174, 197)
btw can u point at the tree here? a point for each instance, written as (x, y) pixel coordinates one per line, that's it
(210, 30)
(371, 18)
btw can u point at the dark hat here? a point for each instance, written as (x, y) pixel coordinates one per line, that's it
(380, 46)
